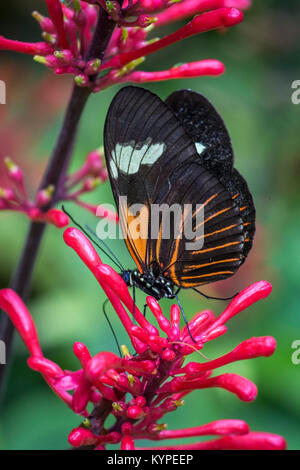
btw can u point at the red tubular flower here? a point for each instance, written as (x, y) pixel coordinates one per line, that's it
(31, 48)
(57, 17)
(22, 320)
(193, 69)
(208, 67)
(219, 428)
(249, 349)
(250, 441)
(141, 390)
(188, 8)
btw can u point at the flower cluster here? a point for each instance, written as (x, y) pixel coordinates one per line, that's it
(88, 177)
(17, 199)
(68, 32)
(139, 390)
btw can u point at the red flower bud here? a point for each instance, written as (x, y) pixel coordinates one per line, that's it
(82, 437)
(127, 443)
(140, 401)
(57, 218)
(135, 412)
(168, 355)
(82, 353)
(45, 23)
(100, 364)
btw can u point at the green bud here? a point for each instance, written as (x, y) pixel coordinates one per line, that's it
(40, 59)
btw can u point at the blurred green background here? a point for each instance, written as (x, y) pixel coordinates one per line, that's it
(262, 58)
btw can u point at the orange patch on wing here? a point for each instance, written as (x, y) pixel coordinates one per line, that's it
(198, 266)
(217, 231)
(135, 243)
(207, 275)
(213, 216)
(216, 247)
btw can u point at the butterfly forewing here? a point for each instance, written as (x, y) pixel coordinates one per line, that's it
(143, 142)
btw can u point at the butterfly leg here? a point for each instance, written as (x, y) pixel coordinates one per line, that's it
(215, 298)
(184, 317)
(145, 308)
(110, 326)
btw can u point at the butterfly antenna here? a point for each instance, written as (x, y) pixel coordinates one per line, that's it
(111, 327)
(90, 238)
(184, 317)
(215, 298)
(106, 246)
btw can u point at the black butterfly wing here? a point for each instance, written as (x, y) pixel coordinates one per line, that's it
(207, 129)
(144, 142)
(152, 160)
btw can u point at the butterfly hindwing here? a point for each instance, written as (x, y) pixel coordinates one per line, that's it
(207, 130)
(238, 188)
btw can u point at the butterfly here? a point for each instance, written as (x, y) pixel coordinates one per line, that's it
(176, 152)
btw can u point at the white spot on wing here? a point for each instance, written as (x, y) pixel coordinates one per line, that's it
(129, 157)
(200, 147)
(113, 169)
